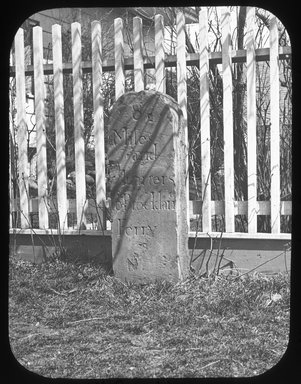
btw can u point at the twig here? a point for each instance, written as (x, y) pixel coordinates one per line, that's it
(30, 335)
(259, 265)
(83, 320)
(286, 247)
(58, 293)
(208, 365)
(218, 263)
(209, 257)
(82, 222)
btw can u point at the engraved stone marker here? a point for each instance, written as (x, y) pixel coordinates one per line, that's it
(147, 178)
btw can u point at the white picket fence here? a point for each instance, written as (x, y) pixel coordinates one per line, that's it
(83, 207)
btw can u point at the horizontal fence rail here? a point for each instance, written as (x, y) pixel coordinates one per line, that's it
(195, 207)
(93, 214)
(192, 59)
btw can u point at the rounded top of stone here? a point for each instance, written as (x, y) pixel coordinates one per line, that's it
(131, 95)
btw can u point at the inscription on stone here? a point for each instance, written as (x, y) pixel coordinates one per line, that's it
(147, 180)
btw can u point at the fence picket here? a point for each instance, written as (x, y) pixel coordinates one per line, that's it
(22, 128)
(251, 122)
(10, 181)
(275, 129)
(119, 58)
(138, 55)
(98, 120)
(11, 174)
(78, 125)
(61, 191)
(228, 121)
(39, 92)
(182, 89)
(159, 54)
(205, 121)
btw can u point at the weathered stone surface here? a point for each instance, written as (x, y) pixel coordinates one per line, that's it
(147, 177)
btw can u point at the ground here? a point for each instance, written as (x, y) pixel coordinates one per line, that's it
(76, 321)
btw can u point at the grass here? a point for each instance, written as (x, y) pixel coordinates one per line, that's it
(75, 321)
